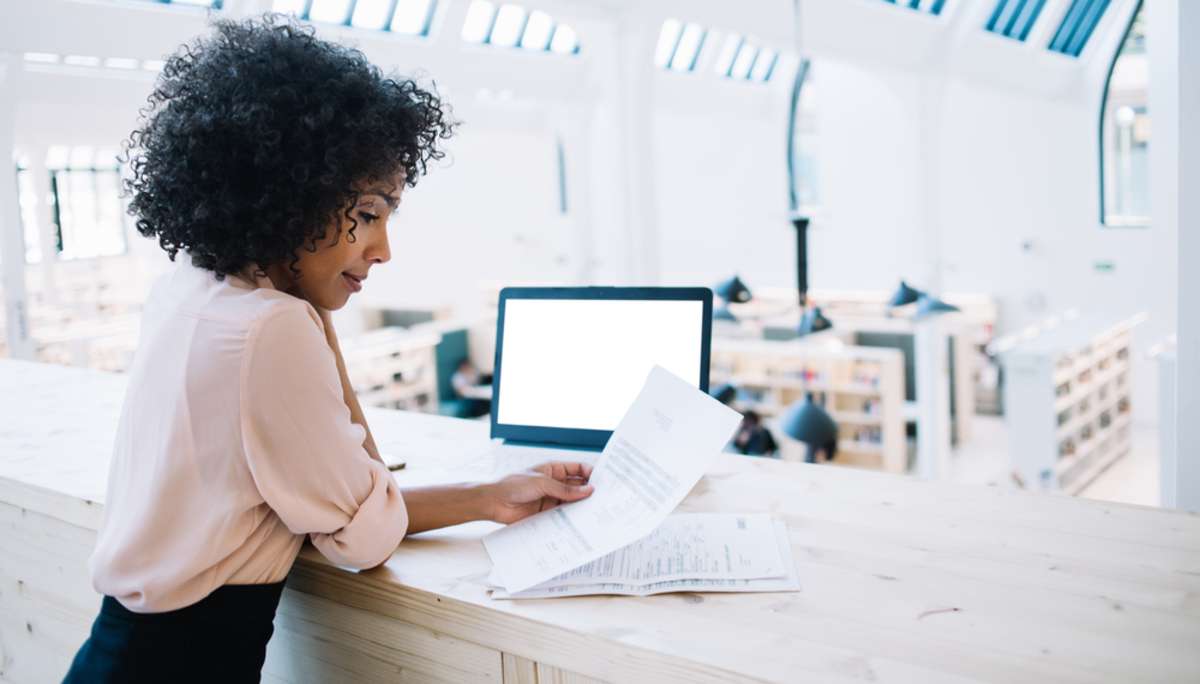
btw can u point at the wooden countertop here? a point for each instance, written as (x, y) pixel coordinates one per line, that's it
(903, 580)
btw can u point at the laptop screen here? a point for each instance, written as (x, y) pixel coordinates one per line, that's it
(577, 363)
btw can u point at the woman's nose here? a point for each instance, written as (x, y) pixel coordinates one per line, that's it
(380, 251)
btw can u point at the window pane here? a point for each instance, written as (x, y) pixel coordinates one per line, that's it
(41, 57)
(27, 197)
(121, 63)
(57, 156)
(537, 31)
(81, 60)
(91, 214)
(82, 157)
(510, 22)
(1126, 134)
(668, 38)
(764, 65)
(565, 41)
(479, 21)
(412, 17)
(371, 14)
(728, 51)
(744, 62)
(332, 11)
(288, 6)
(689, 47)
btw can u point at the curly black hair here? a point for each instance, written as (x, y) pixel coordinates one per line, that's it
(252, 141)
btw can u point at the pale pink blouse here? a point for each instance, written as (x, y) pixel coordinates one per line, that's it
(235, 442)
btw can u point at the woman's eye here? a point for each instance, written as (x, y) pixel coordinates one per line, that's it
(367, 217)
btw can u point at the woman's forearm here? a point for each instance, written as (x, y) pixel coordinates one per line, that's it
(432, 507)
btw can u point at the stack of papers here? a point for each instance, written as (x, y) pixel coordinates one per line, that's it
(688, 552)
(621, 540)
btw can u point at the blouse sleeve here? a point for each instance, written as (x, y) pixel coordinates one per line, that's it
(305, 454)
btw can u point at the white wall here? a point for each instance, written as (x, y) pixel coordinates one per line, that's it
(952, 158)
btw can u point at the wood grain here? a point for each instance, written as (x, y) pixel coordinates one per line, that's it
(903, 580)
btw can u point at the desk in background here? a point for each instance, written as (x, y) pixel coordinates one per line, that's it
(903, 580)
(862, 389)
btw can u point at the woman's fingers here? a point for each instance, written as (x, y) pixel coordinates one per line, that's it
(564, 470)
(562, 491)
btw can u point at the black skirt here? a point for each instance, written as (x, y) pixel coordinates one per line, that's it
(221, 638)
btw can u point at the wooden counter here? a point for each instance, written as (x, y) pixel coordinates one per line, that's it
(902, 580)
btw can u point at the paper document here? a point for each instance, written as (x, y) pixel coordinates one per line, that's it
(667, 440)
(601, 580)
(690, 546)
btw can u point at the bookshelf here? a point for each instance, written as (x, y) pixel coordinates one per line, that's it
(1068, 399)
(862, 388)
(867, 311)
(393, 368)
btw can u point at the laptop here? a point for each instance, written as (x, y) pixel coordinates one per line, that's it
(571, 360)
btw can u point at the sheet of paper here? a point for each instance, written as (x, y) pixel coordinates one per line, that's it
(667, 440)
(689, 546)
(790, 581)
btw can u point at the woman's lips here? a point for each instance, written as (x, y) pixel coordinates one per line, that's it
(353, 284)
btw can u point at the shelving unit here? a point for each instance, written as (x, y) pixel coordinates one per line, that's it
(393, 368)
(1068, 395)
(862, 388)
(867, 311)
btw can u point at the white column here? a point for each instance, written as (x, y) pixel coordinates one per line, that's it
(1168, 429)
(635, 52)
(12, 240)
(47, 235)
(931, 90)
(574, 129)
(1188, 254)
(933, 398)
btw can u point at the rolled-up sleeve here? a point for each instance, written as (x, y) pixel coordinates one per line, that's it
(305, 454)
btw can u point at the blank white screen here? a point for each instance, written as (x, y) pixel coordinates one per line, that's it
(580, 363)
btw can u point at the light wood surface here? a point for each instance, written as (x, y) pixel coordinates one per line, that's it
(902, 580)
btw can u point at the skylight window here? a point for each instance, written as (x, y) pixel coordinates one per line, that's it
(1015, 18)
(538, 30)
(412, 18)
(1077, 26)
(931, 6)
(41, 57)
(478, 24)
(214, 4)
(744, 62)
(739, 59)
(409, 17)
(668, 40)
(687, 48)
(81, 60)
(511, 25)
(371, 14)
(729, 52)
(329, 11)
(764, 66)
(565, 41)
(120, 63)
(295, 7)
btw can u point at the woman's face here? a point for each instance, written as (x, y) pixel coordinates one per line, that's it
(340, 264)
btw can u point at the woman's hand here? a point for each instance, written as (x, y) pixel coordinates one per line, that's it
(546, 486)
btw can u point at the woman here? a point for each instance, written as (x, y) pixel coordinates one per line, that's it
(269, 163)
